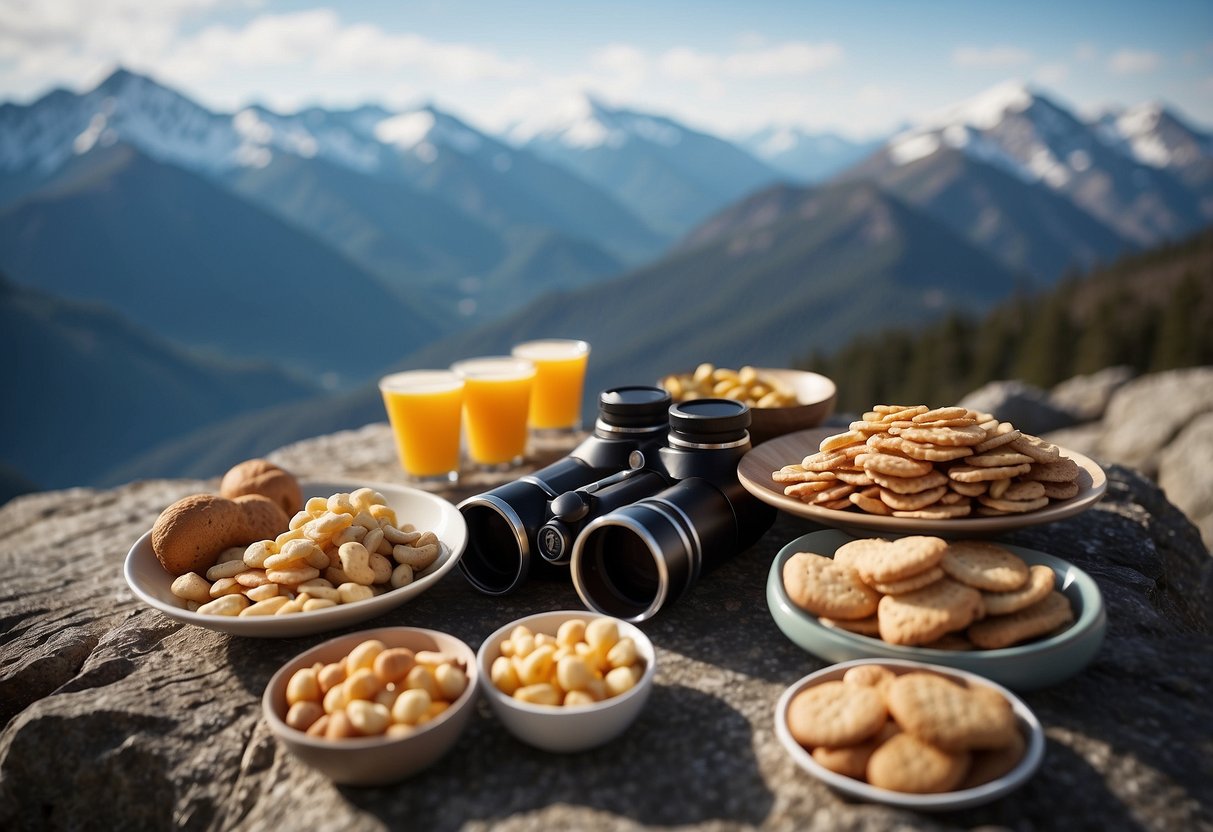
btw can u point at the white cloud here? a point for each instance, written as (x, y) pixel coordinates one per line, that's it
(1085, 51)
(782, 60)
(1133, 61)
(990, 57)
(1052, 73)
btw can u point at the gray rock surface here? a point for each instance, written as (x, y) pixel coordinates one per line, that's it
(1087, 397)
(1027, 407)
(1146, 414)
(1185, 473)
(116, 717)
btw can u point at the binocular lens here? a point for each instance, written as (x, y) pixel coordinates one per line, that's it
(495, 561)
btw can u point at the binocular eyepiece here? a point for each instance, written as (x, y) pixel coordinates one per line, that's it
(636, 512)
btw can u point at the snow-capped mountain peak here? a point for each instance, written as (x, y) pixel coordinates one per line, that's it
(1153, 135)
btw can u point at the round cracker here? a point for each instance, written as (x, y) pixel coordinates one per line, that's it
(985, 566)
(1035, 589)
(835, 714)
(819, 585)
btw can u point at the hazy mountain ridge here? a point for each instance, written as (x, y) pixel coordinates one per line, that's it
(103, 388)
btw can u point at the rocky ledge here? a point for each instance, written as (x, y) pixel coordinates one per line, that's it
(116, 717)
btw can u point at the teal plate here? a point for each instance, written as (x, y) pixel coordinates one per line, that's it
(1037, 664)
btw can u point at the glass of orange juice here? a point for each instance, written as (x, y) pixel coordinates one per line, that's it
(559, 379)
(496, 399)
(425, 408)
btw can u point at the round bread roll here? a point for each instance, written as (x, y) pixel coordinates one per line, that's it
(258, 476)
(189, 535)
(264, 519)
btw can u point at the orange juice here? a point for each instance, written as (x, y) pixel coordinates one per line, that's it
(559, 379)
(496, 397)
(424, 407)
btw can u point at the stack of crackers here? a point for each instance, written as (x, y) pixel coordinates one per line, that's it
(933, 465)
(924, 591)
(917, 732)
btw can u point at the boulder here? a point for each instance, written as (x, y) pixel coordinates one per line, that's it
(1146, 414)
(1185, 473)
(1087, 397)
(117, 717)
(1027, 407)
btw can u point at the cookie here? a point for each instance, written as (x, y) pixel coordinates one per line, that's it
(835, 714)
(841, 440)
(909, 584)
(852, 760)
(943, 413)
(823, 461)
(819, 585)
(932, 452)
(968, 489)
(997, 459)
(926, 614)
(985, 566)
(869, 676)
(1039, 584)
(909, 485)
(1035, 447)
(879, 560)
(1001, 434)
(797, 473)
(911, 502)
(905, 763)
(1037, 620)
(898, 412)
(955, 642)
(941, 712)
(861, 626)
(1022, 490)
(869, 500)
(1013, 506)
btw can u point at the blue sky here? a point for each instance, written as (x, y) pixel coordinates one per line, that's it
(858, 68)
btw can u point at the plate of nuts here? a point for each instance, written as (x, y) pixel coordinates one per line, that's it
(780, 400)
(352, 552)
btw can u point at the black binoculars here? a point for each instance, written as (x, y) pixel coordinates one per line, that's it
(636, 513)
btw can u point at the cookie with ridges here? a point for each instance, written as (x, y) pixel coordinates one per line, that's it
(797, 473)
(966, 436)
(1023, 490)
(926, 614)
(993, 763)
(939, 511)
(967, 473)
(1036, 588)
(1013, 506)
(968, 489)
(869, 500)
(841, 440)
(997, 459)
(943, 413)
(999, 434)
(909, 584)
(879, 560)
(819, 585)
(941, 712)
(1041, 618)
(931, 452)
(905, 763)
(852, 760)
(1063, 470)
(1035, 447)
(835, 714)
(985, 566)
(1060, 490)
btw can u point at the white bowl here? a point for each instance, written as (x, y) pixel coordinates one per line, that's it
(153, 585)
(373, 761)
(944, 801)
(558, 728)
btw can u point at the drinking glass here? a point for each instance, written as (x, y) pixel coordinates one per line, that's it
(559, 379)
(425, 409)
(496, 398)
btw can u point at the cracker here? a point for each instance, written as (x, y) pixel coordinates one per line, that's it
(804, 490)
(837, 491)
(968, 489)
(910, 485)
(955, 642)
(985, 566)
(911, 502)
(1035, 447)
(998, 488)
(967, 473)
(931, 452)
(840, 504)
(1001, 434)
(909, 584)
(835, 714)
(939, 511)
(821, 586)
(1036, 588)
(860, 479)
(869, 500)
(823, 461)
(797, 473)
(1024, 490)
(869, 676)
(885, 443)
(1013, 506)
(1060, 490)
(1037, 620)
(997, 459)
(893, 465)
(840, 440)
(898, 412)
(1063, 470)
(849, 553)
(865, 426)
(884, 561)
(941, 712)
(952, 436)
(926, 614)
(905, 763)
(944, 413)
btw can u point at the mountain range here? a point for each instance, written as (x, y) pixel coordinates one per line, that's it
(337, 244)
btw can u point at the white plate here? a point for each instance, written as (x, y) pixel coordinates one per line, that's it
(755, 469)
(152, 584)
(945, 801)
